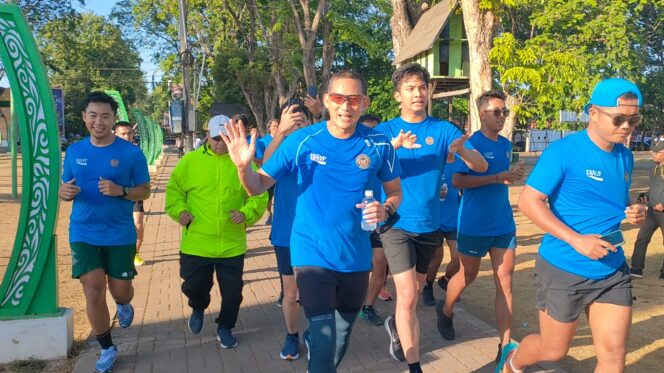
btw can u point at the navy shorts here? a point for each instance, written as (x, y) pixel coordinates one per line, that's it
(449, 235)
(479, 246)
(283, 260)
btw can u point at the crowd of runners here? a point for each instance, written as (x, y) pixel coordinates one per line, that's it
(431, 183)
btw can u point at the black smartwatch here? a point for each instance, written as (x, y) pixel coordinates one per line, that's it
(319, 116)
(125, 191)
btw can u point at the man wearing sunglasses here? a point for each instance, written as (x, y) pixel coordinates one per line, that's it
(205, 196)
(486, 223)
(585, 178)
(422, 144)
(335, 161)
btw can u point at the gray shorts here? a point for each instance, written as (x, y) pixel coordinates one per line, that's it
(565, 295)
(405, 250)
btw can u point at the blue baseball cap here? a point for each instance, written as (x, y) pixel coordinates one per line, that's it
(607, 92)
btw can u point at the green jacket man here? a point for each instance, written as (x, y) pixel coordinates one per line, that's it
(205, 196)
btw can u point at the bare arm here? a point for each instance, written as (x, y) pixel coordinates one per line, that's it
(465, 181)
(472, 158)
(392, 189)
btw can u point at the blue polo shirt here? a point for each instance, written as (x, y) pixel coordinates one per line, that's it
(97, 219)
(421, 170)
(588, 190)
(485, 211)
(449, 208)
(285, 199)
(262, 144)
(332, 175)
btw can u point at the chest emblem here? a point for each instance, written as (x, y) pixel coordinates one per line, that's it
(429, 140)
(320, 159)
(595, 175)
(363, 161)
(82, 161)
(115, 163)
(488, 155)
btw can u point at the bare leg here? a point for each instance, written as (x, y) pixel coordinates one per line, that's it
(290, 308)
(610, 326)
(406, 319)
(139, 217)
(378, 275)
(468, 270)
(94, 289)
(453, 266)
(121, 290)
(502, 261)
(551, 344)
(436, 260)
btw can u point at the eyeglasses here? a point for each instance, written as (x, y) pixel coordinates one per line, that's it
(353, 100)
(216, 138)
(618, 120)
(498, 112)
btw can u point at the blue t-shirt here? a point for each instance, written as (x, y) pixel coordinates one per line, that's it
(449, 208)
(261, 145)
(332, 175)
(285, 199)
(97, 219)
(485, 211)
(421, 170)
(588, 190)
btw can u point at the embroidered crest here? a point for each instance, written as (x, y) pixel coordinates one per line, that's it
(429, 140)
(363, 161)
(114, 163)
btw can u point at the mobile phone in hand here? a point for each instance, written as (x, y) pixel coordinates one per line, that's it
(615, 238)
(312, 91)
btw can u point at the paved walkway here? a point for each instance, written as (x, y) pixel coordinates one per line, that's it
(159, 340)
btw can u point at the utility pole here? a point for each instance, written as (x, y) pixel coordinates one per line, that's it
(185, 61)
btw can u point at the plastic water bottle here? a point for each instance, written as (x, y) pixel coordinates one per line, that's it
(443, 192)
(368, 198)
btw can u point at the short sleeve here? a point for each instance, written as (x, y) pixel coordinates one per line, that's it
(67, 172)
(139, 170)
(260, 148)
(282, 161)
(548, 172)
(390, 168)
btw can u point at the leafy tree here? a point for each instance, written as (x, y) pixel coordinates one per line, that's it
(87, 53)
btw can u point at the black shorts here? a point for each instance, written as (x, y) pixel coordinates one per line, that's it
(322, 290)
(449, 235)
(405, 250)
(138, 206)
(375, 240)
(565, 295)
(283, 260)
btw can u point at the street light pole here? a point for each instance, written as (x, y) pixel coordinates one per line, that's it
(185, 59)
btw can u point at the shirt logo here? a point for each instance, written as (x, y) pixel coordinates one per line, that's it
(363, 161)
(595, 175)
(320, 159)
(428, 140)
(507, 155)
(114, 163)
(82, 161)
(488, 155)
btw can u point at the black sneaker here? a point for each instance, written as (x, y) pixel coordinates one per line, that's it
(369, 315)
(280, 301)
(636, 273)
(661, 276)
(396, 352)
(500, 353)
(445, 324)
(442, 282)
(427, 295)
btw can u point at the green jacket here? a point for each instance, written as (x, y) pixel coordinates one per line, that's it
(207, 185)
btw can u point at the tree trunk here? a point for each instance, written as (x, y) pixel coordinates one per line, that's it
(307, 30)
(401, 24)
(510, 121)
(480, 24)
(328, 54)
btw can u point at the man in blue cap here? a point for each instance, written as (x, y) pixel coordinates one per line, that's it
(581, 266)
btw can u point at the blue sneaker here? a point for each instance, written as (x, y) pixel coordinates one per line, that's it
(107, 359)
(291, 350)
(125, 314)
(225, 338)
(307, 343)
(196, 321)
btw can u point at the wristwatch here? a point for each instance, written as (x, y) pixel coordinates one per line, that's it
(389, 210)
(319, 116)
(125, 191)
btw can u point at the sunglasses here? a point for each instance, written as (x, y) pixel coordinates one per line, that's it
(353, 100)
(498, 112)
(216, 138)
(618, 120)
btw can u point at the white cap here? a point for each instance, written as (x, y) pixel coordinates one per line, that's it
(216, 125)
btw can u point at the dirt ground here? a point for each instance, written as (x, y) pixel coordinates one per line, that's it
(646, 345)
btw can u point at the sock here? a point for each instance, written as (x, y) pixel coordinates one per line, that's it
(414, 368)
(296, 334)
(512, 366)
(105, 340)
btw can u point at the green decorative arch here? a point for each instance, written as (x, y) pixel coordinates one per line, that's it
(29, 286)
